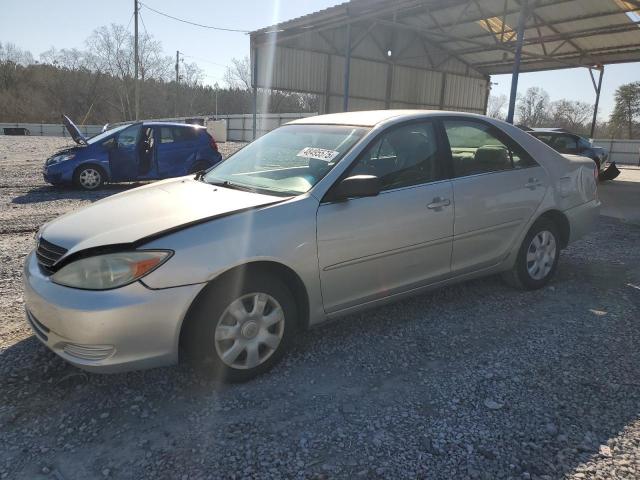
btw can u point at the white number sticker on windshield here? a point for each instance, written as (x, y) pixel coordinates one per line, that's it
(318, 153)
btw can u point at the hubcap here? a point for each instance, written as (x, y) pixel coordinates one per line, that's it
(89, 178)
(249, 331)
(541, 255)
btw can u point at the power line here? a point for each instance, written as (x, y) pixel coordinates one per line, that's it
(145, 27)
(203, 60)
(192, 23)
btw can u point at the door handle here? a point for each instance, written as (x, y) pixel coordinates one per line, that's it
(533, 183)
(438, 203)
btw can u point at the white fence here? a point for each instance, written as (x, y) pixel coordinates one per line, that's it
(51, 129)
(240, 129)
(239, 126)
(623, 152)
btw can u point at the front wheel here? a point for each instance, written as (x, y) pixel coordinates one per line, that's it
(239, 330)
(537, 258)
(88, 177)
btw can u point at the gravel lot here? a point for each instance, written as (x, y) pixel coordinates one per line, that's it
(472, 381)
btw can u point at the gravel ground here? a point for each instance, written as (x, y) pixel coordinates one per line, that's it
(472, 381)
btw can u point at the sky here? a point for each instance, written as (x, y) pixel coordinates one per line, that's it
(36, 26)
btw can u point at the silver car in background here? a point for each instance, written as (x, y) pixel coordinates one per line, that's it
(322, 217)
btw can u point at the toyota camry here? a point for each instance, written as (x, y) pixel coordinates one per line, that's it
(317, 219)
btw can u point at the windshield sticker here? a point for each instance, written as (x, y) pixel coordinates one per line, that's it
(318, 153)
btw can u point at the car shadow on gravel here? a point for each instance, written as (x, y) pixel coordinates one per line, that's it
(471, 381)
(50, 193)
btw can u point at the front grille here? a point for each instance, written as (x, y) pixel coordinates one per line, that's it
(89, 352)
(48, 254)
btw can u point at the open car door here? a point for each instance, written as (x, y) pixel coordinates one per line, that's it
(610, 173)
(123, 158)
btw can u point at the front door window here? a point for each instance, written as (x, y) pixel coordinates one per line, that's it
(407, 155)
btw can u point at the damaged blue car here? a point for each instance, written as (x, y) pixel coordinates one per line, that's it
(131, 152)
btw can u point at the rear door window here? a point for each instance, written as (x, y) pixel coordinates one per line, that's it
(177, 134)
(565, 144)
(478, 147)
(544, 137)
(184, 134)
(166, 135)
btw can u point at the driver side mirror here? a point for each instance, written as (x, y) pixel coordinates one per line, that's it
(356, 186)
(110, 144)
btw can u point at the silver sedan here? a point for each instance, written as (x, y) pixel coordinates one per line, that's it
(320, 218)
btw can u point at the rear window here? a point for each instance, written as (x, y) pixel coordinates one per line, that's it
(544, 137)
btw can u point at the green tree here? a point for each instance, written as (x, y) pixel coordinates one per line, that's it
(626, 113)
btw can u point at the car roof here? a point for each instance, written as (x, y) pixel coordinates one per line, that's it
(171, 124)
(552, 130)
(371, 118)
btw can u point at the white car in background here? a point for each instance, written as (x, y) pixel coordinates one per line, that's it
(319, 218)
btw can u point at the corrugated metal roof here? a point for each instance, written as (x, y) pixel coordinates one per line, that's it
(558, 34)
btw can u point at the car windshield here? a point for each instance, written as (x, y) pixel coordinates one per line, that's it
(105, 134)
(287, 161)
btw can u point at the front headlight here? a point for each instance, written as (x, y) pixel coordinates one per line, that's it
(111, 270)
(60, 158)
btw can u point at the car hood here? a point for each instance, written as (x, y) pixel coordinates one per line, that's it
(74, 131)
(145, 212)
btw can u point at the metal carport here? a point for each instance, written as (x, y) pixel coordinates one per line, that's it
(438, 54)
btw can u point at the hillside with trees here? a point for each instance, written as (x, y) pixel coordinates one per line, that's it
(96, 85)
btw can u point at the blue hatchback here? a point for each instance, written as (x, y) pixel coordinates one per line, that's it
(131, 152)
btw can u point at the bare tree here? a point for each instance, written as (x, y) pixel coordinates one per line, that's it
(111, 51)
(571, 114)
(153, 62)
(533, 107)
(9, 52)
(496, 106)
(71, 59)
(238, 74)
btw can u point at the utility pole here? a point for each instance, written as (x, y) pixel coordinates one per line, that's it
(177, 82)
(136, 60)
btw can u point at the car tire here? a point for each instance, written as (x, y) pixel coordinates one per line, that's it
(538, 257)
(88, 177)
(240, 327)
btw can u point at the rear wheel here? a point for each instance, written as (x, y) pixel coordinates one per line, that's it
(239, 330)
(89, 177)
(537, 258)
